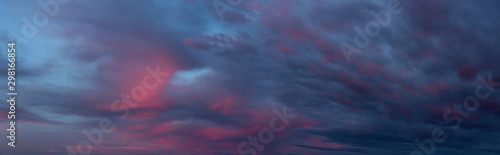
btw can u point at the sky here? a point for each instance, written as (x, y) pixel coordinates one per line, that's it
(267, 77)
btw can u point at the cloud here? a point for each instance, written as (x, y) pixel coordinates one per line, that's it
(228, 75)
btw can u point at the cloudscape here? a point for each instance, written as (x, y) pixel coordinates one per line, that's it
(250, 77)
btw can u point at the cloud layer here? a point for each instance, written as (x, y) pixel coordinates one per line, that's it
(226, 76)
